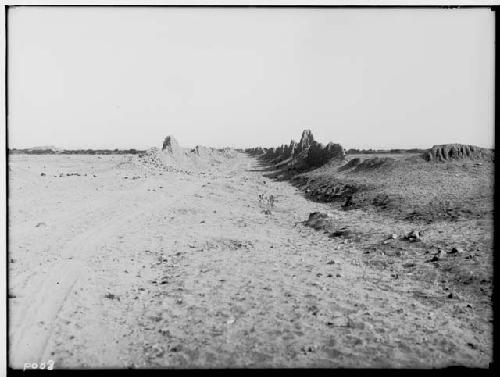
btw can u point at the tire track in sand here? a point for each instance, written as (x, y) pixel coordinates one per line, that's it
(34, 321)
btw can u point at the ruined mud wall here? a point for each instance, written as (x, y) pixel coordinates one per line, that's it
(173, 157)
(307, 152)
(448, 152)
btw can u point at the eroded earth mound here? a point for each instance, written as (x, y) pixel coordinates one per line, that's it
(172, 157)
(305, 154)
(448, 152)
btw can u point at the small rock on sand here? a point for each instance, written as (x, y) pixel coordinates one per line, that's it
(435, 258)
(455, 250)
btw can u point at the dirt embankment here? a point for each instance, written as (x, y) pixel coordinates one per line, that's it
(430, 218)
(447, 182)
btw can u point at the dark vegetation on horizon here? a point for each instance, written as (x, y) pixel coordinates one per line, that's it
(75, 151)
(388, 151)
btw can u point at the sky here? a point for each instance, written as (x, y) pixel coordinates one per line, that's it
(111, 77)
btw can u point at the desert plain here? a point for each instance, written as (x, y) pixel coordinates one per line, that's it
(179, 258)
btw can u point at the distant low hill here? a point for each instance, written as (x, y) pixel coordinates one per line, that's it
(53, 150)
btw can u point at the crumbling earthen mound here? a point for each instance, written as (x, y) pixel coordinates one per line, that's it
(173, 157)
(171, 145)
(201, 151)
(319, 155)
(447, 152)
(305, 154)
(153, 158)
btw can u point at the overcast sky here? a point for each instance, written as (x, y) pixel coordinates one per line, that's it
(366, 78)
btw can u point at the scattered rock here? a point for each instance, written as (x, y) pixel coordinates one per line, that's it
(435, 258)
(340, 233)
(158, 350)
(307, 349)
(112, 296)
(348, 202)
(317, 220)
(413, 236)
(455, 250)
(165, 331)
(339, 321)
(438, 252)
(409, 264)
(176, 348)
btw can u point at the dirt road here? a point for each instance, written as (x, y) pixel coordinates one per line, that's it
(190, 270)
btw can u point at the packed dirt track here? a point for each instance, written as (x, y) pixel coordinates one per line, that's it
(116, 262)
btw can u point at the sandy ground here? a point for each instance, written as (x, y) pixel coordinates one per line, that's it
(183, 270)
